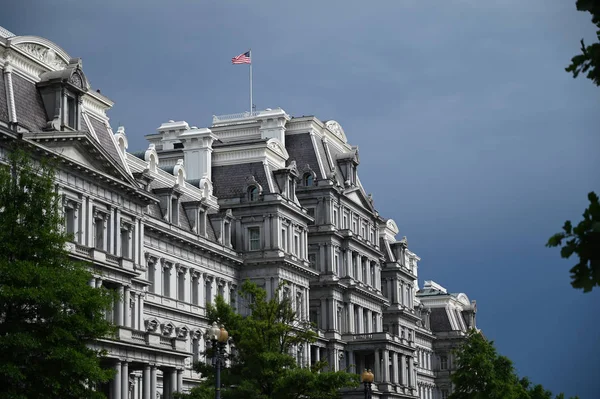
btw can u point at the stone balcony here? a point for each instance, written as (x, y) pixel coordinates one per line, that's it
(378, 337)
(98, 255)
(151, 339)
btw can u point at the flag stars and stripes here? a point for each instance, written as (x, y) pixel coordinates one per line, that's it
(242, 59)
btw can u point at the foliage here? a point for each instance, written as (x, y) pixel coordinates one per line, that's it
(261, 366)
(48, 312)
(589, 59)
(584, 241)
(484, 374)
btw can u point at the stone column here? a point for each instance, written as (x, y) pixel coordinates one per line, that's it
(377, 367)
(116, 382)
(126, 307)
(351, 364)
(351, 318)
(386, 366)
(124, 380)
(115, 236)
(146, 381)
(369, 326)
(141, 312)
(361, 319)
(402, 373)
(179, 380)
(152, 382)
(324, 314)
(411, 372)
(172, 383)
(394, 367)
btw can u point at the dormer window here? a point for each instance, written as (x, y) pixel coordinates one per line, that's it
(253, 193)
(61, 93)
(308, 179)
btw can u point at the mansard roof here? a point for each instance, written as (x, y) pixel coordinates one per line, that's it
(300, 147)
(28, 104)
(3, 102)
(230, 181)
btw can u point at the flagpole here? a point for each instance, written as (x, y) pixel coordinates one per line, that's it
(250, 51)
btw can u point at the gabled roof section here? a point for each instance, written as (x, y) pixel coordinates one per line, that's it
(82, 148)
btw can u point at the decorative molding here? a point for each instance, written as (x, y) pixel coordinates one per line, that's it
(45, 54)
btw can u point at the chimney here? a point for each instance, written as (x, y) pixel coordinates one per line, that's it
(272, 124)
(197, 152)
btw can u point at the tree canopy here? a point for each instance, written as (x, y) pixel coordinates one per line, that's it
(48, 312)
(589, 59)
(584, 241)
(484, 374)
(260, 364)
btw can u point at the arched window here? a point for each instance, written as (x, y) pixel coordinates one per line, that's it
(253, 193)
(308, 179)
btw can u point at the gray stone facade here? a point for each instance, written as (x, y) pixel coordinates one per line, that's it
(261, 196)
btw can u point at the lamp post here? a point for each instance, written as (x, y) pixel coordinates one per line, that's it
(218, 337)
(367, 379)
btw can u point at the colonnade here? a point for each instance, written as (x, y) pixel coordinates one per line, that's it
(146, 386)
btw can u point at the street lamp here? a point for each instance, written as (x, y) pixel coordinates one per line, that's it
(218, 337)
(367, 379)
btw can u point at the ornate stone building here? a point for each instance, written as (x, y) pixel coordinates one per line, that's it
(261, 196)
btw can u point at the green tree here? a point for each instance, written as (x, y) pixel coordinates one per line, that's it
(589, 59)
(484, 374)
(584, 241)
(261, 364)
(48, 312)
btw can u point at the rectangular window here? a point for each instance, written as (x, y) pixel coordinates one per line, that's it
(125, 244)
(254, 238)
(166, 281)
(181, 286)
(443, 362)
(152, 277)
(335, 217)
(354, 227)
(345, 225)
(311, 213)
(444, 394)
(336, 264)
(284, 239)
(208, 292)
(71, 113)
(296, 245)
(312, 259)
(174, 211)
(195, 290)
(70, 221)
(99, 233)
(314, 317)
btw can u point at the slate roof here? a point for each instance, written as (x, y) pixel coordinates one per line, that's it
(3, 103)
(230, 181)
(29, 105)
(301, 149)
(439, 320)
(105, 139)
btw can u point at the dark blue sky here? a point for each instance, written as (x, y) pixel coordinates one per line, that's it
(471, 135)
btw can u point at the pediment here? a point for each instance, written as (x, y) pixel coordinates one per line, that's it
(82, 150)
(356, 195)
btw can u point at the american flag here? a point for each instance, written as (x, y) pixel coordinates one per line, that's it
(242, 59)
